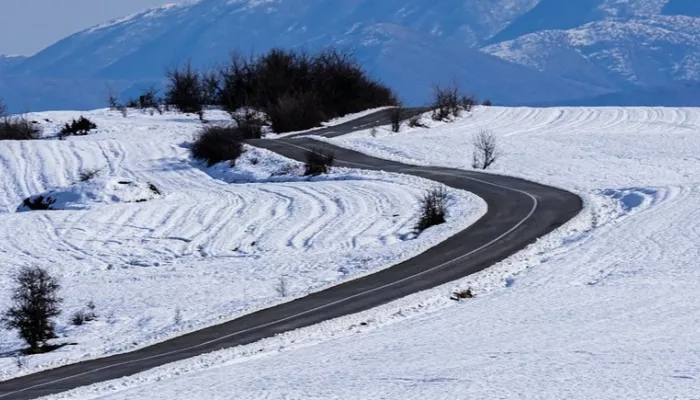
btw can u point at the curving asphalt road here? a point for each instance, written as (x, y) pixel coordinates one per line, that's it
(519, 212)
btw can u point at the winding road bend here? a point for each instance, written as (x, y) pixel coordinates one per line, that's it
(519, 212)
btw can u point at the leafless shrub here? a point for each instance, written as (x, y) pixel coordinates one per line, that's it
(80, 127)
(87, 315)
(287, 169)
(88, 174)
(3, 109)
(415, 122)
(113, 100)
(487, 103)
(318, 161)
(18, 128)
(396, 117)
(486, 151)
(20, 360)
(433, 209)
(210, 87)
(149, 100)
(248, 124)
(185, 90)
(446, 102)
(462, 295)
(215, 144)
(281, 287)
(468, 102)
(177, 318)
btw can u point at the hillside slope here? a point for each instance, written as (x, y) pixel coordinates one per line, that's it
(438, 41)
(554, 51)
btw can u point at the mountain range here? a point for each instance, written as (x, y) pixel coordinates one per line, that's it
(514, 52)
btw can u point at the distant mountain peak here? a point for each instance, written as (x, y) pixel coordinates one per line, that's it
(513, 51)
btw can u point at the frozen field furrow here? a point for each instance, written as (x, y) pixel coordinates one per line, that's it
(604, 308)
(206, 249)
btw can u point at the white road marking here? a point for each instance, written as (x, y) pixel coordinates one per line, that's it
(516, 226)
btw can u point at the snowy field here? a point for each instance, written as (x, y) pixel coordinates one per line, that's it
(206, 246)
(605, 308)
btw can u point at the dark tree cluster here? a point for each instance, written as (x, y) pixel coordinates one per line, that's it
(297, 90)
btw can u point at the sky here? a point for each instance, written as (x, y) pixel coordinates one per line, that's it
(27, 26)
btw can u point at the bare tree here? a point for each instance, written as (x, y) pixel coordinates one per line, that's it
(3, 108)
(177, 318)
(446, 102)
(486, 150)
(36, 303)
(396, 115)
(185, 89)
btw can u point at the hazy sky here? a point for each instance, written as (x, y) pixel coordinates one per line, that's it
(27, 26)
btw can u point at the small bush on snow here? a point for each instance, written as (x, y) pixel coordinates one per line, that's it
(82, 316)
(249, 124)
(396, 115)
(462, 295)
(433, 209)
(215, 144)
(447, 102)
(415, 122)
(318, 161)
(88, 174)
(18, 128)
(80, 127)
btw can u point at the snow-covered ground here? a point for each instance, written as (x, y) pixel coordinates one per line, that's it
(212, 244)
(605, 308)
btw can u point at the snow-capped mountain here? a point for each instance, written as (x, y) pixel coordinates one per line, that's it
(652, 50)
(7, 62)
(512, 51)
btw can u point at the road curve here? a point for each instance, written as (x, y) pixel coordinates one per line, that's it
(518, 213)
